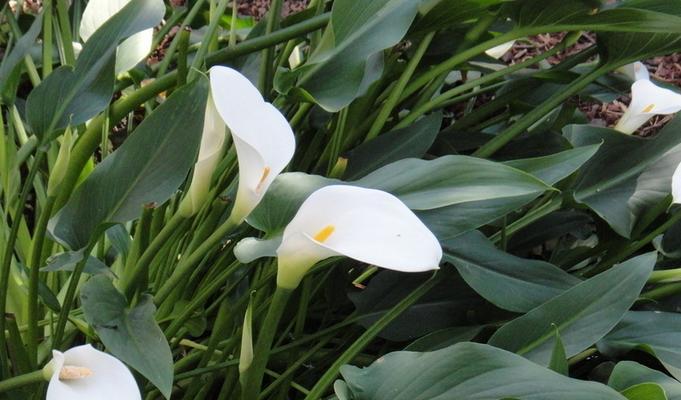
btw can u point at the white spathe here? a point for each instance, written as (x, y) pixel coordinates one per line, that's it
(500, 50)
(676, 185)
(635, 71)
(368, 225)
(262, 136)
(133, 49)
(647, 100)
(84, 373)
(210, 153)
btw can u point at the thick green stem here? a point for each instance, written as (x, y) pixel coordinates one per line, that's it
(272, 22)
(200, 56)
(186, 265)
(539, 112)
(65, 31)
(396, 92)
(34, 278)
(261, 352)
(21, 381)
(8, 255)
(330, 375)
(47, 38)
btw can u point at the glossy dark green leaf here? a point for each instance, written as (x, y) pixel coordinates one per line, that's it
(412, 141)
(444, 338)
(450, 303)
(438, 14)
(468, 371)
(507, 281)
(652, 331)
(619, 189)
(10, 62)
(71, 96)
(555, 167)
(334, 75)
(583, 314)
(148, 168)
(130, 334)
(628, 373)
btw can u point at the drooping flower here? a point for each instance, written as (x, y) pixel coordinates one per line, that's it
(210, 153)
(368, 225)
(647, 100)
(84, 373)
(500, 50)
(262, 136)
(132, 50)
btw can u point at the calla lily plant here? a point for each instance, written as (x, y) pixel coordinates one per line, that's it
(647, 100)
(85, 373)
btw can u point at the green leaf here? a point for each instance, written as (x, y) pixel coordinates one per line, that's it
(583, 314)
(334, 75)
(148, 168)
(412, 141)
(559, 362)
(444, 338)
(507, 281)
(71, 96)
(553, 168)
(468, 371)
(628, 373)
(645, 391)
(653, 331)
(67, 261)
(130, 334)
(620, 188)
(438, 14)
(452, 180)
(10, 62)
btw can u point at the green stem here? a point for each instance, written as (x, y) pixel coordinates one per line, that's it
(396, 92)
(539, 112)
(261, 352)
(65, 31)
(200, 56)
(662, 291)
(34, 278)
(444, 97)
(529, 218)
(21, 381)
(163, 66)
(666, 275)
(8, 255)
(272, 22)
(141, 266)
(186, 265)
(330, 375)
(47, 38)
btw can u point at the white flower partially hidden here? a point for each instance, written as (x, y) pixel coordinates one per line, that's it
(367, 225)
(635, 71)
(647, 100)
(676, 185)
(84, 373)
(129, 53)
(262, 136)
(210, 153)
(500, 50)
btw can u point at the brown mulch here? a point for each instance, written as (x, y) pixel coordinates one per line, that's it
(525, 49)
(258, 8)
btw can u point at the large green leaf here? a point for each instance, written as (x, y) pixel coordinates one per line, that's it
(452, 180)
(553, 168)
(653, 331)
(583, 314)
(507, 281)
(468, 371)
(10, 62)
(130, 334)
(74, 95)
(148, 168)
(412, 141)
(438, 14)
(628, 174)
(628, 373)
(359, 30)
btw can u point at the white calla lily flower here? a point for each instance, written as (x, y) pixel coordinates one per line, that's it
(500, 50)
(262, 136)
(133, 49)
(84, 373)
(635, 71)
(368, 225)
(210, 153)
(647, 100)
